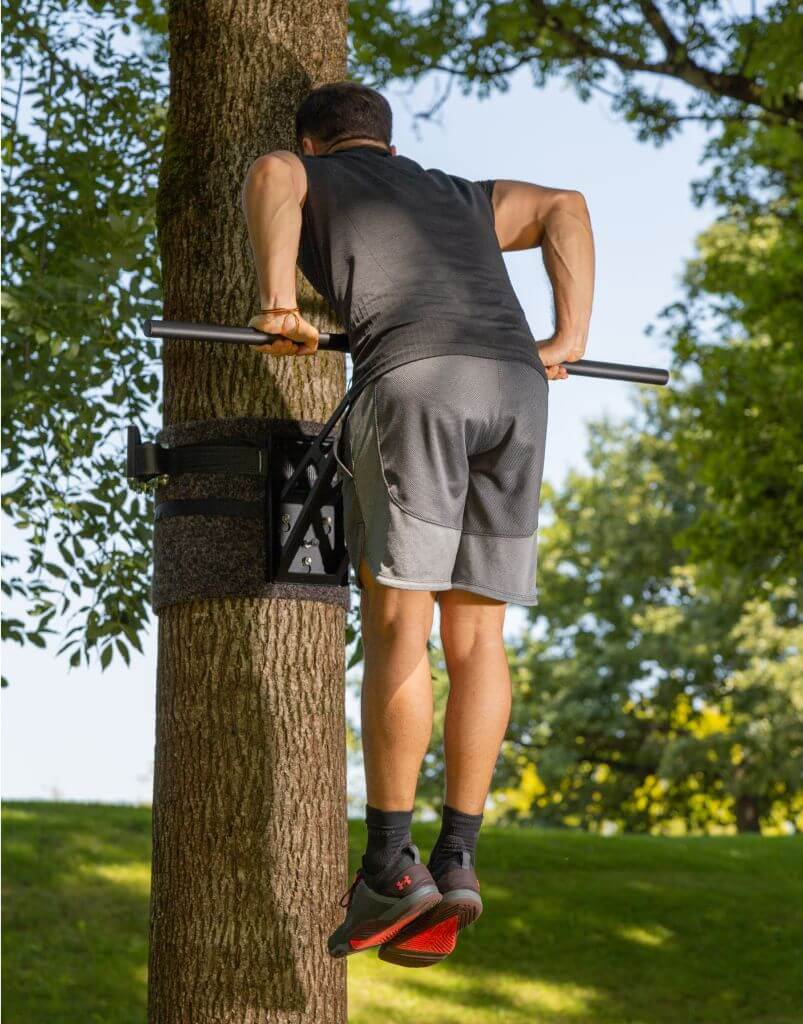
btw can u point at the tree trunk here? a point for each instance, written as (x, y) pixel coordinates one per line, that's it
(748, 814)
(249, 811)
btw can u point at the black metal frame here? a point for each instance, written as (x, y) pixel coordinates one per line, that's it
(302, 507)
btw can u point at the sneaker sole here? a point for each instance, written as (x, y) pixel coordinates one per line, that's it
(372, 933)
(432, 937)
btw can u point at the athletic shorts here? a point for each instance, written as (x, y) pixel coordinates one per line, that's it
(441, 462)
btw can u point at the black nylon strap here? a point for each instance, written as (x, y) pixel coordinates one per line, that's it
(210, 507)
(233, 459)
(207, 458)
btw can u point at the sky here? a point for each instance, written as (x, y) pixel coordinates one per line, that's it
(85, 735)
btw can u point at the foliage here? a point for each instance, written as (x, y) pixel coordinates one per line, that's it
(734, 64)
(83, 123)
(668, 929)
(641, 695)
(736, 341)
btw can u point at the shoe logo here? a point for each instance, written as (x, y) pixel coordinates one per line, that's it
(403, 882)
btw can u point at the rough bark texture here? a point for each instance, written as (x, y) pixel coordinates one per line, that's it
(249, 826)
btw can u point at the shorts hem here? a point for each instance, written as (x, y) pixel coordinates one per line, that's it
(444, 585)
(526, 599)
(392, 581)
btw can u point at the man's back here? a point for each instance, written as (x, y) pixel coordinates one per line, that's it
(409, 260)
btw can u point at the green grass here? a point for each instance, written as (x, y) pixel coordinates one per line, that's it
(577, 929)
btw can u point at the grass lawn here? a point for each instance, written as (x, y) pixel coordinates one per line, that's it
(577, 929)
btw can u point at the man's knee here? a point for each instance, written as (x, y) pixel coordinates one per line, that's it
(469, 620)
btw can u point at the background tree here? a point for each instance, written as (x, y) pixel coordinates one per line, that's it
(736, 340)
(643, 696)
(737, 64)
(83, 122)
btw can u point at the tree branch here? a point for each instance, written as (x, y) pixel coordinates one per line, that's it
(676, 65)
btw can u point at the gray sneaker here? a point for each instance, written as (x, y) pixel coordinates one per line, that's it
(395, 897)
(431, 937)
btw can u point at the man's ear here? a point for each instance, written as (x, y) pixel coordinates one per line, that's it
(392, 150)
(307, 146)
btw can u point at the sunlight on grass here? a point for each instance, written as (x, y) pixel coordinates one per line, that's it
(447, 994)
(134, 877)
(577, 929)
(15, 814)
(654, 936)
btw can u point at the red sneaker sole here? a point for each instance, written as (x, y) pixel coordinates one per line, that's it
(366, 936)
(431, 937)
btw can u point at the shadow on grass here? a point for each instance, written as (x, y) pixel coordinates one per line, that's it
(576, 929)
(75, 913)
(629, 929)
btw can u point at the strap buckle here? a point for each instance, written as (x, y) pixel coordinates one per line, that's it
(144, 463)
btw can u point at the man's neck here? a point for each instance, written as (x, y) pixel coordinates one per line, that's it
(353, 143)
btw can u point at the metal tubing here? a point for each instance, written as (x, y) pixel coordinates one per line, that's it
(230, 335)
(339, 343)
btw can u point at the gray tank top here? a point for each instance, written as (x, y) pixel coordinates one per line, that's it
(409, 261)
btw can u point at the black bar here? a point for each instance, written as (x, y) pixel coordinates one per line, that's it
(618, 371)
(339, 343)
(230, 335)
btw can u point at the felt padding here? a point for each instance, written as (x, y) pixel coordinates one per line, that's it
(216, 556)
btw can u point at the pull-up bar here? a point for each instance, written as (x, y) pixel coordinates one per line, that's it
(339, 343)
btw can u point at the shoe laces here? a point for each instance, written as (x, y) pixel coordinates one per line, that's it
(348, 895)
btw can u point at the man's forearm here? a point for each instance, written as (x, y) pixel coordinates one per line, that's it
(273, 214)
(568, 248)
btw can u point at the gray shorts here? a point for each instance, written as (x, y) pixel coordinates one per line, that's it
(441, 462)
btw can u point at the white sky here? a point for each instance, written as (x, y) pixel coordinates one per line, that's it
(83, 735)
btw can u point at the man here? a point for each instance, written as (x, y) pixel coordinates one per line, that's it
(442, 459)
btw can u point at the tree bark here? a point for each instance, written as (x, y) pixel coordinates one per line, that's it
(249, 810)
(748, 814)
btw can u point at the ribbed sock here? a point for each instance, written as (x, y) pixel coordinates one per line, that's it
(388, 832)
(459, 832)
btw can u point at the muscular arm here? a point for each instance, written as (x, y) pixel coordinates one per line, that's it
(273, 193)
(527, 216)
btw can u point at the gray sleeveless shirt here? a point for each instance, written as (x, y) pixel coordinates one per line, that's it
(409, 261)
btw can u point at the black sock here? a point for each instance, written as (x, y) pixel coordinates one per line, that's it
(459, 832)
(388, 832)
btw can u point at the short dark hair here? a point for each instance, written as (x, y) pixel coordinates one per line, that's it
(344, 109)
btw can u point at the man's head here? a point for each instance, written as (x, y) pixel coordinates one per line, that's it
(342, 111)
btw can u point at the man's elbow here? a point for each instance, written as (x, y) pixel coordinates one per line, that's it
(275, 172)
(268, 169)
(573, 202)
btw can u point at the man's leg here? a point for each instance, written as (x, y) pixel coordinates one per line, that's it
(394, 888)
(477, 714)
(477, 711)
(396, 690)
